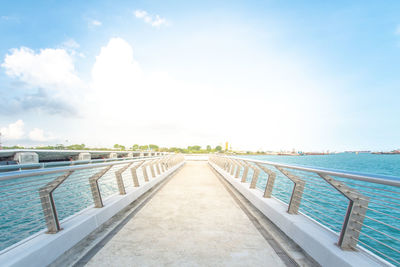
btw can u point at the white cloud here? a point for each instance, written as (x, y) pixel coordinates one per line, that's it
(38, 135)
(95, 23)
(48, 73)
(71, 46)
(52, 69)
(14, 131)
(141, 13)
(71, 43)
(153, 20)
(114, 73)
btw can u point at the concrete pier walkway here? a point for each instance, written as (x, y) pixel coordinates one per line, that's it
(191, 221)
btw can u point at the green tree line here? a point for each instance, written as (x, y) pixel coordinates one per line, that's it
(135, 147)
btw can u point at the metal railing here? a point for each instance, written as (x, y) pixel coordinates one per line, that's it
(364, 210)
(33, 200)
(42, 165)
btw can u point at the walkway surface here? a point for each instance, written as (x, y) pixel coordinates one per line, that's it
(191, 221)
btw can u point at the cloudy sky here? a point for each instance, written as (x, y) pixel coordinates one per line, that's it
(270, 75)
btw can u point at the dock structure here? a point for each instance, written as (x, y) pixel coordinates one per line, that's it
(193, 210)
(191, 221)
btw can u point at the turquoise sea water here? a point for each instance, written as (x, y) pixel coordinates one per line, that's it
(363, 162)
(21, 214)
(381, 231)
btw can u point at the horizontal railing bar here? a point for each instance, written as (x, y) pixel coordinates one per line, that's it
(315, 217)
(324, 201)
(380, 212)
(307, 188)
(18, 228)
(319, 182)
(373, 178)
(20, 210)
(381, 253)
(281, 191)
(63, 163)
(62, 190)
(18, 203)
(372, 194)
(38, 172)
(318, 185)
(320, 212)
(385, 201)
(36, 181)
(373, 229)
(376, 240)
(379, 204)
(41, 182)
(16, 193)
(374, 188)
(383, 223)
(24, 218)
(312, 202)
(34, 186)
(75, 200)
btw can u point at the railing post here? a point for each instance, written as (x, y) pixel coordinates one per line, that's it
(270, 180)
(239, 166)
(254, 179)
(245, 172)
(165, 163)
(218, 161)
(134, 174)
(144, 169)
(226, 164)
(157, 163)
(355, 214)
(168, 162)
(162, 165)
(232, 166)
(94, 187)
(297, 192)
(222, 163)
(120, 181)
(48, 205)
(153, 173)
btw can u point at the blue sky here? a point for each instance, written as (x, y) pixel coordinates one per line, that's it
(270, 75)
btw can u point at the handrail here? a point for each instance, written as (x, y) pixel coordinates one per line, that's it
(54, 193)
(342, 205)
(37, 172)
(373, 178)
(62, 163)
